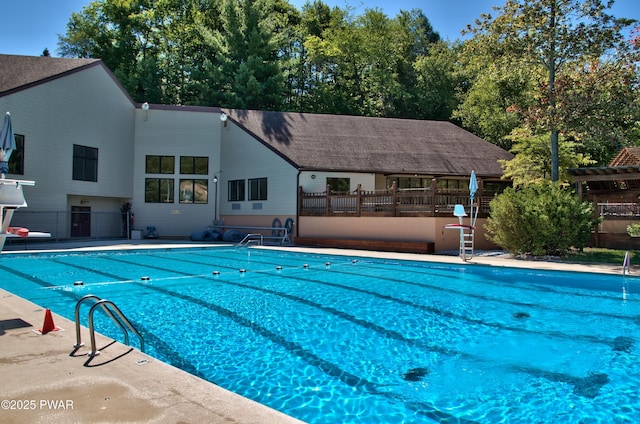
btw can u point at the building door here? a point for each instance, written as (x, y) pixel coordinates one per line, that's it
(80, 221)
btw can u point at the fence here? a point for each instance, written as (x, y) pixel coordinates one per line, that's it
(619, 210)
(429, 201)
(63, 225)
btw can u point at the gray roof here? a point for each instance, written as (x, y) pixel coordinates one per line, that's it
(365, 144)
(20, 72)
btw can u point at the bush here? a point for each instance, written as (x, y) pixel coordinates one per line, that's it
(633, 230)
(541, 219)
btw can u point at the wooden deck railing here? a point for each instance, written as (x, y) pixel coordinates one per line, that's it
(391, 202)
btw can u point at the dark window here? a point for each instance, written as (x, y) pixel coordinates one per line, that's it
(16, 161)
(258, 189)
(404, 183)
(85, 163)
(194, 191)
(158, 190)
(339, 184)
(236, 190)
(453, 185)
(160, 164)
(194, 165)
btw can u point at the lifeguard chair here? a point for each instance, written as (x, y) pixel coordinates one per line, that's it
(467, 232)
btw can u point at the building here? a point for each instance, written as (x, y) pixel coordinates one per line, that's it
(92, 150)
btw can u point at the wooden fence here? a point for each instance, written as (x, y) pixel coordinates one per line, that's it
(392, 202)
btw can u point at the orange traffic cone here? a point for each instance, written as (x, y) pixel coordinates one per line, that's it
(48, 323)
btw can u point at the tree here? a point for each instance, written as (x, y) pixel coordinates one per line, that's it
(436, 84)
(531, 163)
(600, 108)
(489, 106)
(553, 36)
(247, 66)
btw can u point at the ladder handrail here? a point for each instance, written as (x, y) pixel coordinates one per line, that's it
(104, 303)
(77, 317)
(248, 238)
(106, 306)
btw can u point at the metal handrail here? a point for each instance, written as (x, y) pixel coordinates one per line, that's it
(77, 317)
(284, 238)
(249, 238)
(118, 320)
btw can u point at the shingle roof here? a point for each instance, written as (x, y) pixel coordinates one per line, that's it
(19, 72)
(365, 144)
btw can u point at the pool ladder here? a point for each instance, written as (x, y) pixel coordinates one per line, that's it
(112, 312)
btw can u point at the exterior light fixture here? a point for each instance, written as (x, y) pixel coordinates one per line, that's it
(223, 118)
(145, 107)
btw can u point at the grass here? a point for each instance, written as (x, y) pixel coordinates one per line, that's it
(603, 256)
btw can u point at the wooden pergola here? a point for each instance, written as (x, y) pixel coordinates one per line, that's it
(615, 192)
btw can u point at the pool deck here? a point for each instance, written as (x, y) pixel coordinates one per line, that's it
(45, 379)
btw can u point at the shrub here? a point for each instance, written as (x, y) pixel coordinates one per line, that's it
(633, 230)
(540, 219)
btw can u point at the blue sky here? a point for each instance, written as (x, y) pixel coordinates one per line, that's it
(31, 25)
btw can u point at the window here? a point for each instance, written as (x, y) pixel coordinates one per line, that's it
(16, 161)
(339, 184)
(236, 190)
(158, 190)
(85, 163)
(194, 191)
(404, 183)
(258, 189)
(160, 164)
(453, 185)
(194, 165)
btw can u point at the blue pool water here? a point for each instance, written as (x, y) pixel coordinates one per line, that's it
(358, 340)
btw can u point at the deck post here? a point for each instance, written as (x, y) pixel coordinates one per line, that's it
(394, 196)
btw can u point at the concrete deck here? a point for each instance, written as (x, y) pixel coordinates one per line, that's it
(44, 380)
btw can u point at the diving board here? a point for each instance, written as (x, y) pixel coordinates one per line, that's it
(11, 199)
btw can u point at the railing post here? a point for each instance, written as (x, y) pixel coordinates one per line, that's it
(434, 188)
(328, 202)
(394, 198)
(359, 200)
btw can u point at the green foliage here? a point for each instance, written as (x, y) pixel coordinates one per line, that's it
(633, 230)
(549, 38)
(532, 161)
(576, 78)
(540, 219)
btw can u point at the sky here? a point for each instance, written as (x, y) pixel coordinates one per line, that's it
(30, 26)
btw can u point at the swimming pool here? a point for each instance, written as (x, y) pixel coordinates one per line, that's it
(357, 340)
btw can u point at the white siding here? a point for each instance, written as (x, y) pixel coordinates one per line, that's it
(245, 158)
(86, 108)
(171, 132)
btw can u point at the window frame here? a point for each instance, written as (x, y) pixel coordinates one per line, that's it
(197, 162)
(81, 171)
(339, 183)
(170, 190)
(163, 160)
(236, 191)
(258, 189)
(193, 199)
(16, 161)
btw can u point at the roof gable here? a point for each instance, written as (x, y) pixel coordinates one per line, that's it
(366, 144)
(22, 72)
